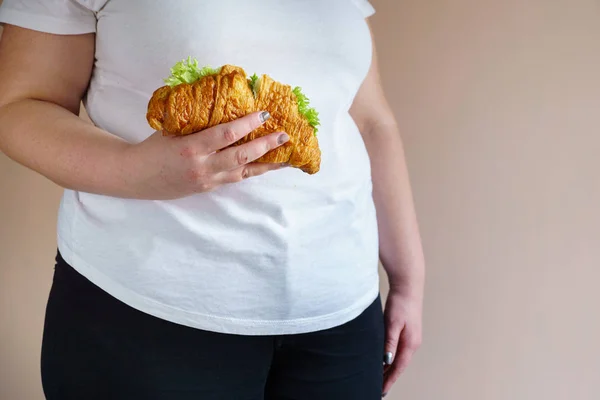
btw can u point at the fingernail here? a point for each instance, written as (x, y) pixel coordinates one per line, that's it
(389, 357)
(283, 138)
(284, 165)
(264, 116)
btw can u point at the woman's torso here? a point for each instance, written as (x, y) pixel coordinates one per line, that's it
(281, 253)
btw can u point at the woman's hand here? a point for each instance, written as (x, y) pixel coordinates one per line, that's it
(161, 167)
(403, 313)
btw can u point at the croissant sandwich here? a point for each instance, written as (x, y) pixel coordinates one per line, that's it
(198, 98)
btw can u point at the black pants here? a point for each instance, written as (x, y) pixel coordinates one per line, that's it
(96, 347)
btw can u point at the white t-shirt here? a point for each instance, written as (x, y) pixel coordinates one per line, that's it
(282, 253)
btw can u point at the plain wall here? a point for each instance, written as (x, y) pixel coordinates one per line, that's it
(499, 104)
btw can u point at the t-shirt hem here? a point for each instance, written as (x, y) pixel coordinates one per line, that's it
(44, 23)
(213, 323)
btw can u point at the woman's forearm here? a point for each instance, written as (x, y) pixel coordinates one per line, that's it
(64, 148)
(401, 250)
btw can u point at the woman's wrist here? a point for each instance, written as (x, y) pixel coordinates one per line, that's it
(410, 285)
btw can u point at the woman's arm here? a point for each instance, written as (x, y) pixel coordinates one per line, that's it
(400, 243)
(43, 78)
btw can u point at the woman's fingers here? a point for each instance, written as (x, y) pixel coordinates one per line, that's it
(206, 168)
(235, 157)
(247, 171)
(392, 374)
(408, 343)
(220, 136)
(392, 339)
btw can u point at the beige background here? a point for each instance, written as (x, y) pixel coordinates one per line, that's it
(499, 102)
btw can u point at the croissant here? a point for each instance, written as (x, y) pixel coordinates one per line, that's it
(195, 99)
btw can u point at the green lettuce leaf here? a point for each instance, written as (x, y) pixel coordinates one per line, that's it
(188, 71)
(304, 108)
(253, 82)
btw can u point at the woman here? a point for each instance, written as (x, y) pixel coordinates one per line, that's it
(188, 273)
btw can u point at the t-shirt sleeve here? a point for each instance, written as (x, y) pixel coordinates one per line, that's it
(365, 7)
(62, 17)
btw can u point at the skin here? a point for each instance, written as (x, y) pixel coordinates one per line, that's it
(44, 77)
(400, 245)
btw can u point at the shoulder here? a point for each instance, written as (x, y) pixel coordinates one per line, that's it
(65, 17)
